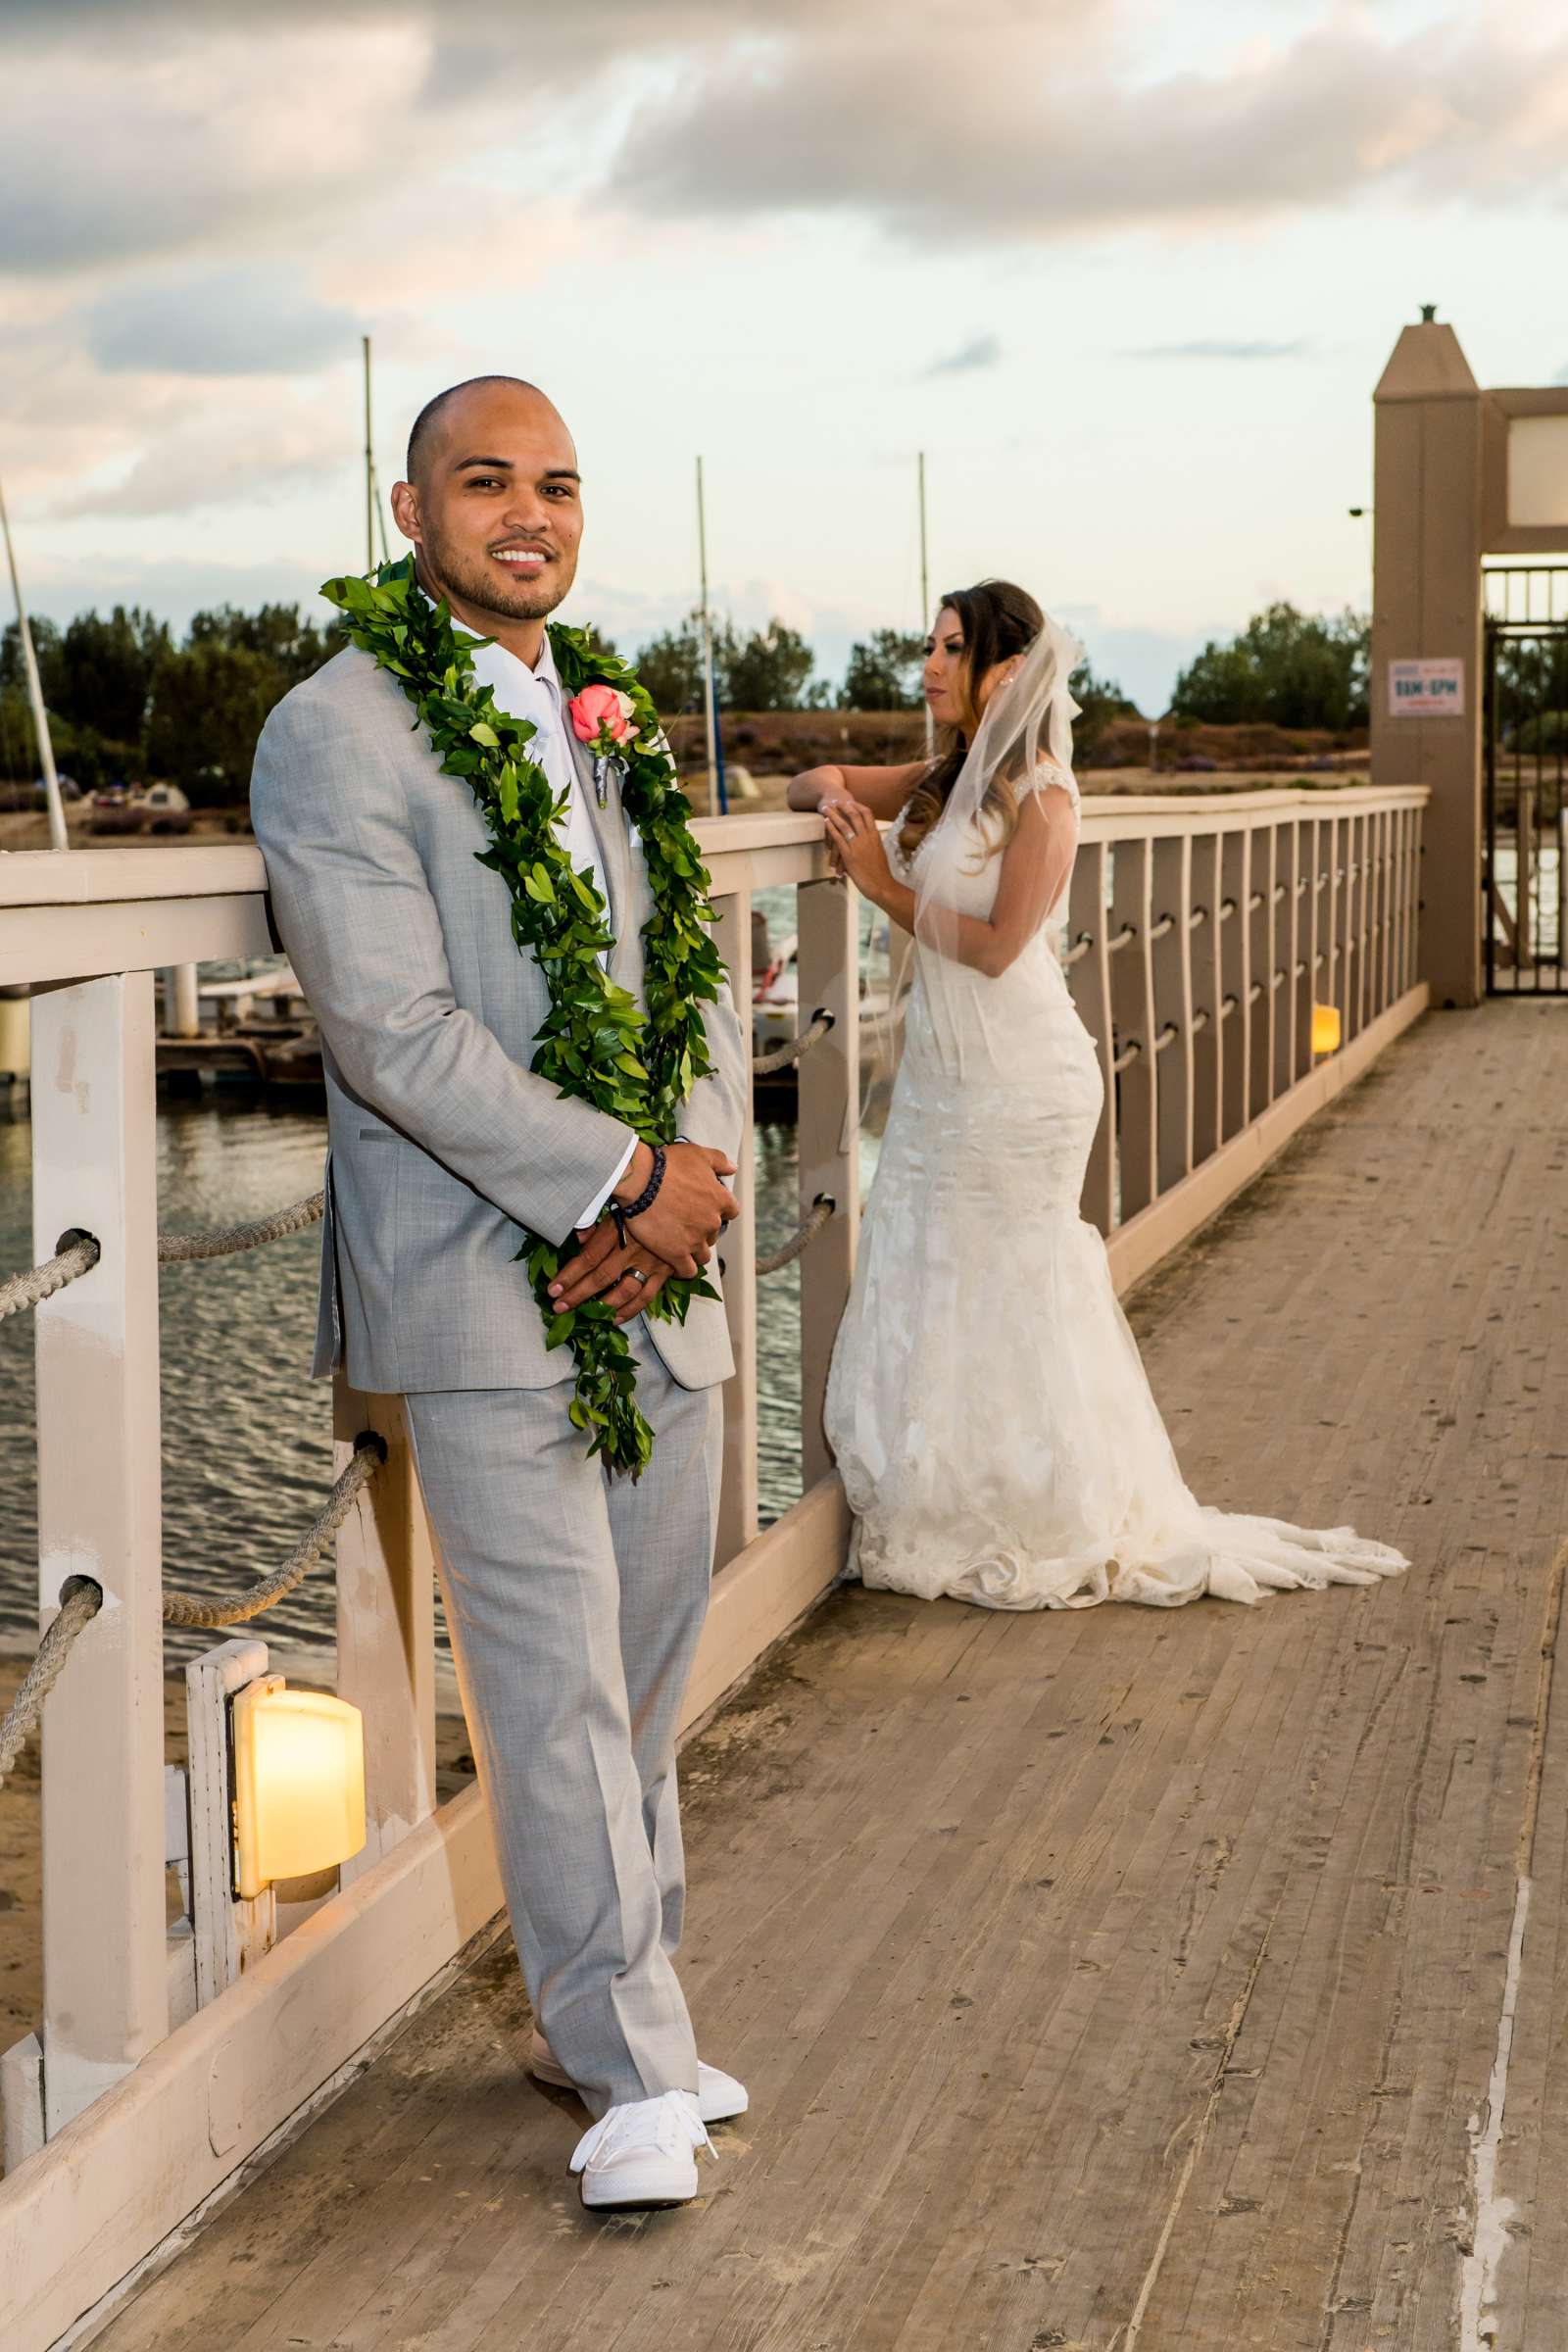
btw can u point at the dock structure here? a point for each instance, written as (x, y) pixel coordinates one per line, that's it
(1117, 1981)
(1101, 1979)
(1206, 936)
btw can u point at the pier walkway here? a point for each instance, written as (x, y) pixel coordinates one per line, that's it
(1107, 1980)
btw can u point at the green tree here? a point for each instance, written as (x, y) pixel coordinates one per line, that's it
(46, 645)
(670, 666)
(768, 670)
(1287, 667)
(209, 704)
(294, 646)
(884, 672)
(1099, 700)
(106, 672)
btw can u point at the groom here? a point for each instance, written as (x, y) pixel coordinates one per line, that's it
(575, 1601)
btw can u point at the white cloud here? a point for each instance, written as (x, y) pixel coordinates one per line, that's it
(245, 322)
(909, 133)
(115, 152)
(981, 351)
(1220, 347)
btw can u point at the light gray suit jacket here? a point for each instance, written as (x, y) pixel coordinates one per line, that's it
(442, 1144)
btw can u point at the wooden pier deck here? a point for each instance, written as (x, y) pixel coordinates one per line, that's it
(1103, 1980)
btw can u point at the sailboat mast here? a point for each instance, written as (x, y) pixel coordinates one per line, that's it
(926, 595)
(707, 647)
(370, 469)
(59, 838)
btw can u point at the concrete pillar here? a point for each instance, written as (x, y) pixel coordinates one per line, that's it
(181, 1005)
(1428, 484)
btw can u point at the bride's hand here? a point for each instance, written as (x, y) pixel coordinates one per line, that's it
(855, 845)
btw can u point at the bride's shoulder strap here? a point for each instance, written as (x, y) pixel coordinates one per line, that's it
(1050, 775)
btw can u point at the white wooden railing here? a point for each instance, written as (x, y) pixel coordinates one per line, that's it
(1201, 931)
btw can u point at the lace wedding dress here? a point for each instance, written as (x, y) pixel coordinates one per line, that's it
(991, 1417)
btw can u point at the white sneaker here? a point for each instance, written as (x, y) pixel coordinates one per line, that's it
(642, 2155)
(719, 2097)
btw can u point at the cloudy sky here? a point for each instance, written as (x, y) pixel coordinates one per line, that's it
(1125, 270)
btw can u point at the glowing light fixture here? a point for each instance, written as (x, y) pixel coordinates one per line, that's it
(299, 1783)
(1325, 1028)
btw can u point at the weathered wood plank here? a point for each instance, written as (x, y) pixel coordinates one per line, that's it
(1109, 1978)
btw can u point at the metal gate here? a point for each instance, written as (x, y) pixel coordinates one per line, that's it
(1525, 887)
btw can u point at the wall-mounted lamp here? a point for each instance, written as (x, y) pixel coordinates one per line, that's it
(1325, 1028)
(299, 1784)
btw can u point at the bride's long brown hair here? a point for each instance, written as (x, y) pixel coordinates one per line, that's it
(999, 619)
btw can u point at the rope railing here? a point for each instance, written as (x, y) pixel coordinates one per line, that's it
(78, 1256)
(82, 1599)
(818, 1215)
(183, 1608)
(81, 1602)
(175, 1247)
(817, 1028)
(38, 1283)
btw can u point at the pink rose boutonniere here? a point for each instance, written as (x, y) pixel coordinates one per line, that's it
(604, 718)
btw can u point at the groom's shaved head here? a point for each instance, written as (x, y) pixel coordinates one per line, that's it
(493, 505)
(424, 433)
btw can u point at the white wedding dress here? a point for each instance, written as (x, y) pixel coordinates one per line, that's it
(993, 1424)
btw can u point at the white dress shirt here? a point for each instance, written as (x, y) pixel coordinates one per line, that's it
(535, 695)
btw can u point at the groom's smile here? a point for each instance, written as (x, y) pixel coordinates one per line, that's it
(523, 559)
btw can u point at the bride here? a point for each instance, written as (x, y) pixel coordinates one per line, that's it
(992, 1420)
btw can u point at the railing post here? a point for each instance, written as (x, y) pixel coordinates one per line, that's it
(1309, 935)
(1299, 984)
(1261, 932)
(1132, 1004)
(386, 1625)
(1207, 996)
(737, 1506)
(829, 1140)
(1236, 977)
(1364, 871)
(1336, 990)
(105, 1998)
(1173, 1007)
(1090, 982)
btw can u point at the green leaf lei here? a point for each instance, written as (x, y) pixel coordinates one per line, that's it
(597, 1043)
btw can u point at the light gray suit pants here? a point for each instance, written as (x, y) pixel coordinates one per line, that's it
(575, 1605)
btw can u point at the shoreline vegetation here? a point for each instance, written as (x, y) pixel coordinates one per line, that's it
(763, 748)
(132, 708)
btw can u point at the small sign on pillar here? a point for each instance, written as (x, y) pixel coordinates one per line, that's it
(1427, 689)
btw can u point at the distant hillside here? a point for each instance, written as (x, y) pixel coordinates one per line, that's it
(779, 742)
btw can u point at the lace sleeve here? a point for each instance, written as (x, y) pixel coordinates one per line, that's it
(1048, 774)
(1053, 846)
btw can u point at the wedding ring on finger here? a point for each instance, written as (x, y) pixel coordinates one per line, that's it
(636, 1274)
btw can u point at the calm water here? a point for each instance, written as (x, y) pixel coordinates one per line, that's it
(246, 1433)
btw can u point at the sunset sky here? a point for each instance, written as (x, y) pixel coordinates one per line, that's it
(1126, 273)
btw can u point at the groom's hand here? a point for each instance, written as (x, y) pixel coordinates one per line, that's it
(691, 1204)
(625, 1279)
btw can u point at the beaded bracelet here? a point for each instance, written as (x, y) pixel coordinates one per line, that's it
(645, 1199)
